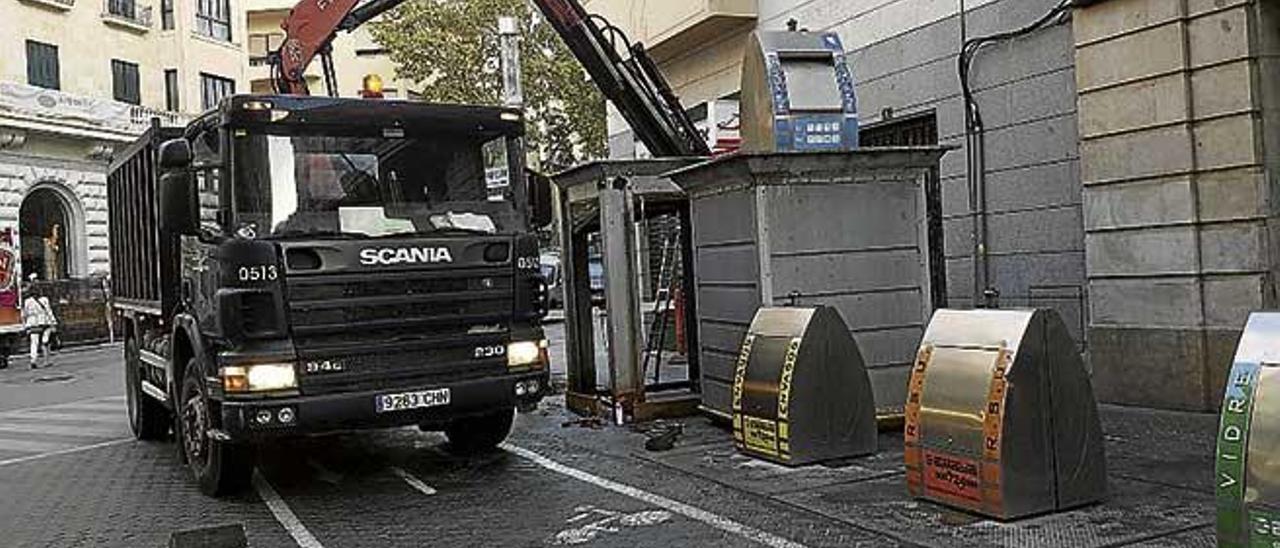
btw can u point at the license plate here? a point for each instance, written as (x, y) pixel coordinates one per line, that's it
(412, 400)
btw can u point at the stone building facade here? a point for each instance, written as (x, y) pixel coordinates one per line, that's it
(83, 79)
(1129, 150)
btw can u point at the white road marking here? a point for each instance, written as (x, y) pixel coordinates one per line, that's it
(64, 430)
(118, 399)
(103, 406)
(66, 417)
(692, 512)
(284, 514)
(413, 481)
(607, 521)
(23, 445)
(44, 430)
(64, 451)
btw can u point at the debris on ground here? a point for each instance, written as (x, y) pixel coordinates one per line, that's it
(663, 439)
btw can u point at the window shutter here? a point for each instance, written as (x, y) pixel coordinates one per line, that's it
(171, 90)
(42, 65)
(125, 86)
(133, 84)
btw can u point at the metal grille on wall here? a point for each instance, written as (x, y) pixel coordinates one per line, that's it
(917, 130)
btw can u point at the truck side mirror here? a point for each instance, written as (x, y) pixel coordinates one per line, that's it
(175, 153)
(176, 203)
(176, 192)
(540, 208)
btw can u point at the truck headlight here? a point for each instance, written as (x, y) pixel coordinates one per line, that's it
(262, 377)
(526, 353)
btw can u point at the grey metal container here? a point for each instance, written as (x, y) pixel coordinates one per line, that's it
(1001, 419)
(801, 392)
(856, 230)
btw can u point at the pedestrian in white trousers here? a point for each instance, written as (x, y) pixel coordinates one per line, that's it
(38, 318)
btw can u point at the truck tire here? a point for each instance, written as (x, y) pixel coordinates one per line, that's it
(480, 434)
(220, 468)
(148, 418)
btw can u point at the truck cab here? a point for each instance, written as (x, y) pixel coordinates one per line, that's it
(325, 264)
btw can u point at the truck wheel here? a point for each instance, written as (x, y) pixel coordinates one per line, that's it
(148, 419)
(220, 468)
(480, 434)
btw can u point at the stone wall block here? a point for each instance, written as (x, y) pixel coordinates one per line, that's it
(1148, 303)
(1150, 252)
(1139, 203)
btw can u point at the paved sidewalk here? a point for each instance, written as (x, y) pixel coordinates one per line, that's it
(79, 374)
(1159, 463)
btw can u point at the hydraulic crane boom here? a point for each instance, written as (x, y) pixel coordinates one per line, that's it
(634, 84)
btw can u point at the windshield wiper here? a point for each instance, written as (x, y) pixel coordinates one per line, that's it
(461, 230)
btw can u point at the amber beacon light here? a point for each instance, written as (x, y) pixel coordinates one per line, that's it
(371, 87)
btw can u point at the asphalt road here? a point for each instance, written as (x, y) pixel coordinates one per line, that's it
(71, 475)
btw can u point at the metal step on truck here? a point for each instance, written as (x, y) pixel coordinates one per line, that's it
(289, 266)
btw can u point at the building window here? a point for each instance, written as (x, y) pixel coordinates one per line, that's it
(171, 90)
(213, 18)
(123, 8)
(166, 14)
(261, 45)
(214, 88)
(42, 65)
(124, 82)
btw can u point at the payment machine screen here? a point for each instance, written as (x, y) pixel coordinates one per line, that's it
(812, 84)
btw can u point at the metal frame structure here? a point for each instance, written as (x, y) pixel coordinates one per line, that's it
(838, 228)
(603, 197)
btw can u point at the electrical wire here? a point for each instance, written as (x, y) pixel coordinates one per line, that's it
(649, 82)
(975, 141)
(969, 51)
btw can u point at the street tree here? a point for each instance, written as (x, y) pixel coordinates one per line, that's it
(450, 49)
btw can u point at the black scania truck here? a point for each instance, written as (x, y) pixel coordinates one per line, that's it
(286, 266)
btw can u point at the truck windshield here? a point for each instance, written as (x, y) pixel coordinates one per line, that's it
(310, 185)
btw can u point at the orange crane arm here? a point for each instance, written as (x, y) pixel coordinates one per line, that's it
(633, 84)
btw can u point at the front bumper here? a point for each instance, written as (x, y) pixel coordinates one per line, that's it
(357, 410)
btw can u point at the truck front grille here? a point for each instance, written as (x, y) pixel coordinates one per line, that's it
(394, 329)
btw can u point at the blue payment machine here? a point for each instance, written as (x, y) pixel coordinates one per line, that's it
(797, 94)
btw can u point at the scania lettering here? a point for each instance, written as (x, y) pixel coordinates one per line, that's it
(405, 256)
(292, 266)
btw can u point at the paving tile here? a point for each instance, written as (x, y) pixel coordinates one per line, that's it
(1134, 511)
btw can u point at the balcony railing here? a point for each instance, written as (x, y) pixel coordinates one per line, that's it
(127, 13)
(59, 111)
(60, 5)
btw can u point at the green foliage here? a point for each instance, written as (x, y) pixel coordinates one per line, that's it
(450, 49)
